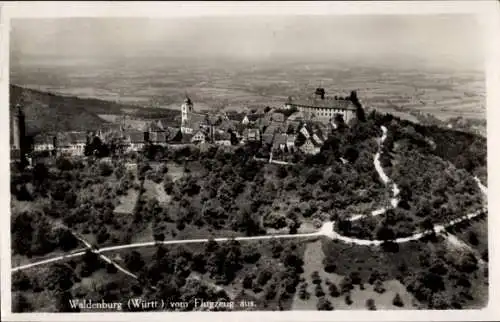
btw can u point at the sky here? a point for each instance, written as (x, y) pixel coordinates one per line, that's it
(454, 39)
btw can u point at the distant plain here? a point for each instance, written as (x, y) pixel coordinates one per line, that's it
(244, 85)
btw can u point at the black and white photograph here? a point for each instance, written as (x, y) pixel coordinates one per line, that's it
(252, 162)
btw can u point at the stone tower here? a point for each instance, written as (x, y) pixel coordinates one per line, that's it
(18, 133)
(186, 108)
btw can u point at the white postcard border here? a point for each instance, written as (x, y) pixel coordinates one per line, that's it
(487, 12)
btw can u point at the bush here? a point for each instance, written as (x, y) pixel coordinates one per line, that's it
(379, 287)
(316, 279)
(111, 269)
(333, 290)
(319, 291)
(247, 282)
(324, 305)
(370, 305)
(303, 294)
(263, 277)
(105, 169)
(397, 301)
(21, 304)
(348, 299)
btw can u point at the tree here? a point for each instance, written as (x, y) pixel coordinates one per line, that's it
(303, 294)
(63, 299)
(250, 253)
(346, 284)
(134, 262)
(324, 305)
(96, 147)
(60, 277)
(439, 301)
(105, 169)
(333, 290)
(20, 281)
(40, 173)
(314, 175)
(473, 238)
(397, 301)
(263, 277)
(21, 226)
(355, 278)
(370, 305)
(348, 299)
(319, 291)
(248, 282)
(21, 304)
(379, 287)
(90, 263)
(468, 263)
(66, 241)
(111, 269)
(63, 164)
(316, 279)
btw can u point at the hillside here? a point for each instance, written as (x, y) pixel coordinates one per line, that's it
(47, 112)
(50, 112)
(343, 194)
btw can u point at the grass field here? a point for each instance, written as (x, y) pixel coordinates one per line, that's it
(127, 202)
(314, 255)
(156, 191)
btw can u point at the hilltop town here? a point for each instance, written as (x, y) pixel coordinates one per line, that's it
(315, 204)
(299, 126)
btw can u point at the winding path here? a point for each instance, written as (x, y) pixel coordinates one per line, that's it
(327, 229)
(385, 179)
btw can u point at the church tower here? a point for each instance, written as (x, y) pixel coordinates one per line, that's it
(186, 108)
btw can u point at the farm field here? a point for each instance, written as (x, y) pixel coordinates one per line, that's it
(239, 86)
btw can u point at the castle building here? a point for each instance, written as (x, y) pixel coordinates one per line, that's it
(323, 108)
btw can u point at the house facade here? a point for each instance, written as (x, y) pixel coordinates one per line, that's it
(279, 142)
(44, 143)
(71, 143)
(222, 139)
(158, 138)
(199, 137)
(310, 147)
(134, 141)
